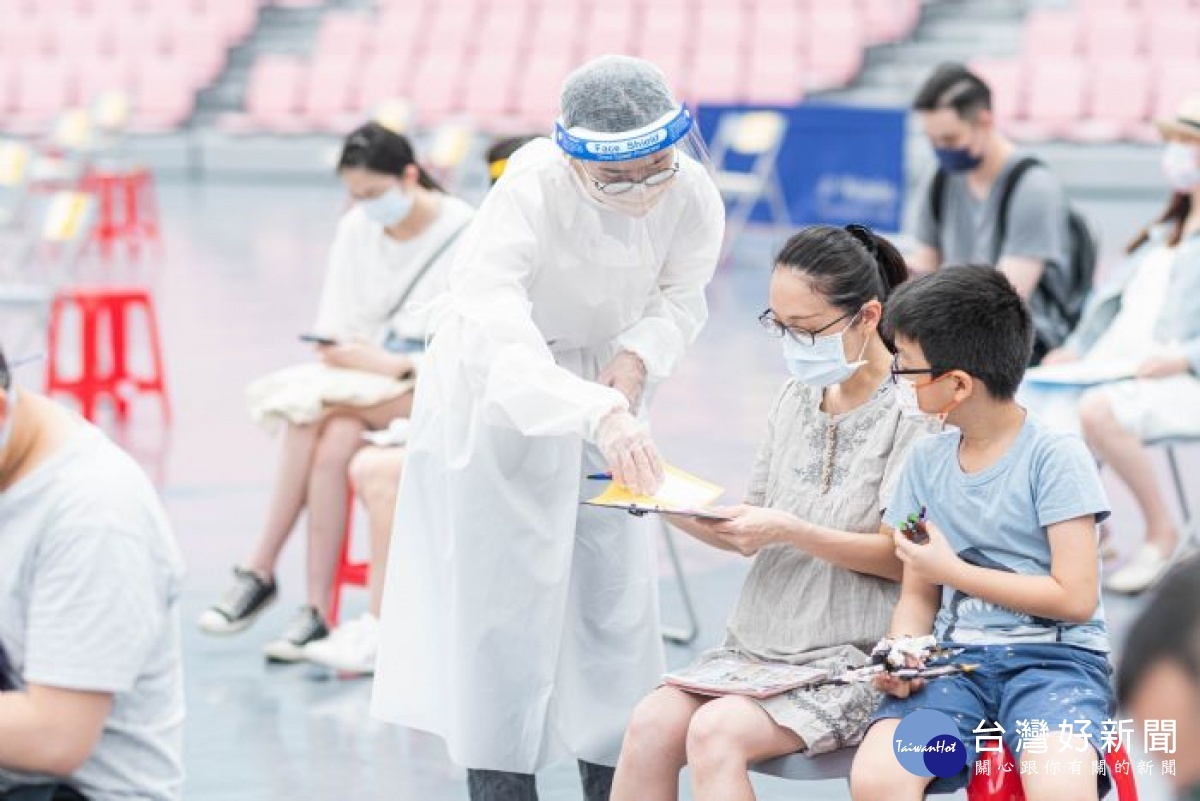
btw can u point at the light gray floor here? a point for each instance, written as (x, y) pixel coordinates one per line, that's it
(238, 283)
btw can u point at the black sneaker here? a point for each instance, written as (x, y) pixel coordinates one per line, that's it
(248, 598)
(308, 626)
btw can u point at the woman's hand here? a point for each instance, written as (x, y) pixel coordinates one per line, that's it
(366, 357)
(1164, 365)
(752, 527)
(1060, 356)
(934, 562)
(900, 688)
(631, 454)
(626, 373)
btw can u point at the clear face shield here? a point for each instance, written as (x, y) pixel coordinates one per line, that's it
(632, 171)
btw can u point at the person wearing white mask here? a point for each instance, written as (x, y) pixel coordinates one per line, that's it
(824, 578)
(1147, 317)
(390, 256)
(519, 626)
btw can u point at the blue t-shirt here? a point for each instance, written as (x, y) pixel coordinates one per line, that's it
(998, 518)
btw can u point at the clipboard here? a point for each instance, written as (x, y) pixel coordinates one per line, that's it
(681, 494)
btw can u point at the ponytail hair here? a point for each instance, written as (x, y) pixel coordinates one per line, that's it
(378, 149)
(849, 266)
(1179, 207)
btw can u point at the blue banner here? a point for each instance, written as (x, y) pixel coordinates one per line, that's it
(838, 164)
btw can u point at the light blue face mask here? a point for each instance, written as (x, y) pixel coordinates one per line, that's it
(823, 363)
(389, 208)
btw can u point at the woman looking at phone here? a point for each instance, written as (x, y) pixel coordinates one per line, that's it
(389, 257)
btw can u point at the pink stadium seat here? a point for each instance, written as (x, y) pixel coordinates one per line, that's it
(99, 73)
(328, 96)
(1120, 101)
(28, 38)
(204, 57)
(141, 33)
(725, 21)
(834, 49)
(1005, 77)
(1172, 83)
(558, 23)
(273, 93)
(165, 97)
(437, 87)
(343, 34)
(1168, 6)
(1051, 31)
(775, 77)
(43, 88)
(1089, 7)
(76, 37)
(665, 20)
(491, 90)
(890, 20)
(1057, 97)
(1173, 37)
(407, 16)
(1112, 34)
(717, 77)
(448, 30)
(381, 79)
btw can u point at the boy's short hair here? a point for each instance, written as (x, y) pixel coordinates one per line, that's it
(955, 87)
(966, 318)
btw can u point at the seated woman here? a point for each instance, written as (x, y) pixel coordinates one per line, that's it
(1148, 318)
(389, 257)
(824, 578)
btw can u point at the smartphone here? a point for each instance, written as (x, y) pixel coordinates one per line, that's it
(316, 339)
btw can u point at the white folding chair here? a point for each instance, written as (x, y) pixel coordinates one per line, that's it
(1169, 444)
(688, 633)
(760, 136)
(801, 767)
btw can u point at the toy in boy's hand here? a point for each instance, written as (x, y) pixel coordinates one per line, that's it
(900, 652)
(914, 528)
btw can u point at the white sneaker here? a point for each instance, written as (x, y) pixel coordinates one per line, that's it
(350, 648)
(1141, 572)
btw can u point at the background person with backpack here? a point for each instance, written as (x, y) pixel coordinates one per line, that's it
(1148, 319)
(989, 203)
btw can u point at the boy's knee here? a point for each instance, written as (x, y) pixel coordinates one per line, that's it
(875, 774)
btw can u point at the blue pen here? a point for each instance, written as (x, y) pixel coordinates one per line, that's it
(600, 477)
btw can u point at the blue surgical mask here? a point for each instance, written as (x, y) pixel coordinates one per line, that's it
(389, 208)
(823, 363)
(957, 159)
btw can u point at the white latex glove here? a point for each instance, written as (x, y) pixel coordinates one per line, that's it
(631, 454)
(627, 373)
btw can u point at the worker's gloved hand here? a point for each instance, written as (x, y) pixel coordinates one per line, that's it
(627, 373)
(631, 454)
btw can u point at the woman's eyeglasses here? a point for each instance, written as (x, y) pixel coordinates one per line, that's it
(772, 326)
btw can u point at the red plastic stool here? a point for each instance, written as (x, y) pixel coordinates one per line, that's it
(1001, 785)
(348, 573)
(127, 208)
(104, 311)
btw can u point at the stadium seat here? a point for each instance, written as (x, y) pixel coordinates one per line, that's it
(343, 34)
(165, 97)
(775, 77)
(1051, 31)
(1005, 76)
(1056, 100)
(834, 48)
(273, 93)
(328, 96)
(44, 87)
(1119, 101)
(1111, 34)
(1173, 37)
(890, 20)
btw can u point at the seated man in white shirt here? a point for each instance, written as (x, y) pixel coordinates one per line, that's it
(91, 702)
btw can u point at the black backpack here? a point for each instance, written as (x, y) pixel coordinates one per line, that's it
(1081, 271)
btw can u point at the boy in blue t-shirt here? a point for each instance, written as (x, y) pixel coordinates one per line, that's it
(1010, 572)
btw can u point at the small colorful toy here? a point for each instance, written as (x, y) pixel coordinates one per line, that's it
(914, 528)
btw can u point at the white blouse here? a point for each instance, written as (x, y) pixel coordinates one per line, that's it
(369, 272)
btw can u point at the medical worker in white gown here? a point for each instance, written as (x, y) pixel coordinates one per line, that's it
(517, 625)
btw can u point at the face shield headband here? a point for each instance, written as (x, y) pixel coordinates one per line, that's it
(586, 145)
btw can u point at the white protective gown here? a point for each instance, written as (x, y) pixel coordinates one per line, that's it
(517, 625)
